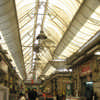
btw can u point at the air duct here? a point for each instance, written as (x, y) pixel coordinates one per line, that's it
(9, 29)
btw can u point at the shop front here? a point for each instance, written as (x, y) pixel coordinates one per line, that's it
(86, 79)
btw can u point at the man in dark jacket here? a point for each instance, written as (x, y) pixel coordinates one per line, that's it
(33, 94)
(89, 92)
(29, 94)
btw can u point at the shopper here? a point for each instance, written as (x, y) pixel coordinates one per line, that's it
(44, 95)
(89, 93)
(29, 94)
(95, 96)
(40, 93)
(21, 96)
(26, 95)
(33, 94)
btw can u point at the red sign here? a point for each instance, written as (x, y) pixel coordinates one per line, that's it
(32, 81)
(85, 69)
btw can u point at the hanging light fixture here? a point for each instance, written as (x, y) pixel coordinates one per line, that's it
(41, 36)
(37, 58)
(36, 48)
(10, 60)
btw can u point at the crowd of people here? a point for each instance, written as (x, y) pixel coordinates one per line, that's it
(32, 94)
(29, 95)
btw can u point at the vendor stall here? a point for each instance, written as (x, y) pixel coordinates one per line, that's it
(4, 93)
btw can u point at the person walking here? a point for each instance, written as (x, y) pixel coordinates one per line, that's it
(26, 95)
(29, 94)
(22, 96)
(33, 94)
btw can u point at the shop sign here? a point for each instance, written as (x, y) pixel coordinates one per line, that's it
(85, 71)
(32, 81)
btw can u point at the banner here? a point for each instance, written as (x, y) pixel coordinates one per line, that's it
(85, 70)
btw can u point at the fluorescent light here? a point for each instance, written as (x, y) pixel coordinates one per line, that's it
(59, 60)
(42, 78)
(70, 70)
(89, 82)
(97, 53)
(36, 42)
(62, 70)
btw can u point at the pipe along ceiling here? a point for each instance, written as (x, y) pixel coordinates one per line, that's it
(10, 32)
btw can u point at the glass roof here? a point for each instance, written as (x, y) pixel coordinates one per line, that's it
(67, 29)
(83, 28)
(51, 16)
(26, 17)
(50, 70)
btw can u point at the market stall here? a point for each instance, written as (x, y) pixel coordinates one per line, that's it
(4, 93)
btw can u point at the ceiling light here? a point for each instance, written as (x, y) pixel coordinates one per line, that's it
(58, 60)
(37, 58)
(42, 78)
(41, 36)
(62, 70)
(89, 83)
(70, 70)
(36, 48)
(97, 53)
